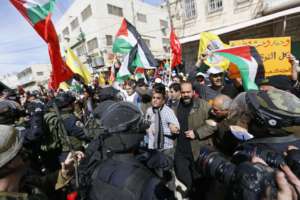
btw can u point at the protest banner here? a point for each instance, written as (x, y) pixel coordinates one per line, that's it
(273, 51)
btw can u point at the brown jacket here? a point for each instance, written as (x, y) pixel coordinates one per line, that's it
(203, 132)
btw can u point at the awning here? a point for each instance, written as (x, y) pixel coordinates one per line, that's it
(242, 25)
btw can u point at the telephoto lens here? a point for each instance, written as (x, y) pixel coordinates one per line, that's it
(245, 152)
(213, 164)
(244, 181)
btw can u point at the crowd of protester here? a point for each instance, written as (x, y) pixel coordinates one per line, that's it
(205, 137)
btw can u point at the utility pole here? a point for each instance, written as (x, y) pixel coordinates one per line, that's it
(133, 12)
(169, 13)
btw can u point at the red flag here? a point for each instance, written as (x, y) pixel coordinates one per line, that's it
(72, 196)
(38, 14)
(176, 49)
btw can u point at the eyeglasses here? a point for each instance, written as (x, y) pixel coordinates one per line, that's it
(217, 75)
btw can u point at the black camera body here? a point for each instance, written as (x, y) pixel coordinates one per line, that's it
(245, 181)
(274, 159)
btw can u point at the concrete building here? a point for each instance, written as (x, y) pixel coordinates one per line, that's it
(11, 80)
(33, 75)
(234, 19)
(89, 27)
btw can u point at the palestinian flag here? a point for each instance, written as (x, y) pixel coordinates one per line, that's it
(249, 63)
(38, 14)
(128, 41)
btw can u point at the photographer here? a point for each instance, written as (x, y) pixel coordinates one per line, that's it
(247, 180)
(288, 184)
(262, 123)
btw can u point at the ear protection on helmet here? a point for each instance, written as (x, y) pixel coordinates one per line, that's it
(269, 115)
(123, 117)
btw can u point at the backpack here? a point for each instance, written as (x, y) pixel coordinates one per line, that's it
(54, 138)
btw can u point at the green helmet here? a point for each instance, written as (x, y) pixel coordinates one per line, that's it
(10, 144)
(276, 110)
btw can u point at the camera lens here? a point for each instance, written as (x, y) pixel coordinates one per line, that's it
(246, 152)
(214, 165)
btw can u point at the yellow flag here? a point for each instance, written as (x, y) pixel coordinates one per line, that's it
(208, 43)
(77, 67)
(101, 79)
(64, 86)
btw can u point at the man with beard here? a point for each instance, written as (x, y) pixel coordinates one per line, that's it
(191, 113)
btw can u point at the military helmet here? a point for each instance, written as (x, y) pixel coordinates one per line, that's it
(9, 111)
(123, 124)
(274, 109)
(10, 144)
(64, 99)
(108, 93)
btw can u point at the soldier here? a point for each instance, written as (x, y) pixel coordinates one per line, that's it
(54, 143)
(32, 130)
(16, 182)
(111, 170)
(272, 117)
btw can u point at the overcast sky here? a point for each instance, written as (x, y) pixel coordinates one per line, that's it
(19, 44)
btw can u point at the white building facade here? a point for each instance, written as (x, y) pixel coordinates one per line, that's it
(10, 80)
(232, 20)
(89, 27)
(34, 75)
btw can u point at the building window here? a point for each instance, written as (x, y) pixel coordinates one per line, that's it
(190, 9)
(74, 24)
(141, 17)
(66, 31)
(86, 13)
(147, 41)
(166, 42)
(215, 6)
(241, 1)
(109, 40)
(80, 50)
(114, 10)
(92, 44)
(163, 23)
(40, 73)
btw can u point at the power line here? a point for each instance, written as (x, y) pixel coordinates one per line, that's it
(13, 41)
(22, 50)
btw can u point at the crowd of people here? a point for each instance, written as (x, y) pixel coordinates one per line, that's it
(169, 136)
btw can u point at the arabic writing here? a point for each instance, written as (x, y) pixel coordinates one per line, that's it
(266, 43)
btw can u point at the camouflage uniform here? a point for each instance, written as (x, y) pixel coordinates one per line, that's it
(31, 186)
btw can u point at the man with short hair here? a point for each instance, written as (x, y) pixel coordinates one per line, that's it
(220, 107)
(163, 120)
(164, 126)
(174, 95)
(192, 113)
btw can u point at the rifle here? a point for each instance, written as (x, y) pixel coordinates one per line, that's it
(67, 139)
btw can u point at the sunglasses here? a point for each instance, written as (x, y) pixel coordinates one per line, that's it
(217, 75)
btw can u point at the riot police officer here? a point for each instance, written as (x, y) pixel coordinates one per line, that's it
(270, 117)
(111, 170)
(61, 123)
(16, 179)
